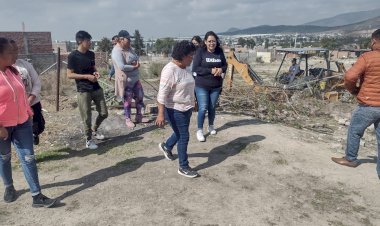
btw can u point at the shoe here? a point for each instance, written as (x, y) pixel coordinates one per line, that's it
(36, 139)
(141, 119)
(211, 130)
(91, 144)
(98, 135)
(343, 161)
(187, 172)
(42, 201)
(129, 123)
(168, 154)
(10, 194)
(200, 136)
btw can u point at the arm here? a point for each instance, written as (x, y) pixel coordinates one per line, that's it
(197, 61)
(224, 61)
(353, 74)
(36, 83)
(118, 58)
(166, 85)
(3, 133)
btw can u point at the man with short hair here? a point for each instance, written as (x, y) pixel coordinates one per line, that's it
(112, 70)
(81, 67)
(366, 72)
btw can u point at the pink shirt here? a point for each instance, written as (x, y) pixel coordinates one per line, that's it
(14, 106)
(176, 88)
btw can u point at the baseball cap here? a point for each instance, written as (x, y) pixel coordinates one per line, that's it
(124, 34)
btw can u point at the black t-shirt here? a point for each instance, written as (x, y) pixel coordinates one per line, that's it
(83, 63)
(203, 63)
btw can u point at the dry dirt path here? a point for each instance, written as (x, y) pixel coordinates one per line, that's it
(252, 173)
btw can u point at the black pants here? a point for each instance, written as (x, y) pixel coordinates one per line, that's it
(38, 119)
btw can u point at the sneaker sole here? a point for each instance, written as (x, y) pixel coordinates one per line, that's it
(166, 156)
(46, 206)
(185, 175)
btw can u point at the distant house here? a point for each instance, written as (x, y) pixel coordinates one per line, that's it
(30, 42)
(36, 46)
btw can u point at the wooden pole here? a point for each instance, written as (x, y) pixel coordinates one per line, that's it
(58, 76)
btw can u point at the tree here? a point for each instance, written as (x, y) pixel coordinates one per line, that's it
(242, 42)
(164, 45)
(329, 43)
(105, 45)
(250, 43)
(138, 43)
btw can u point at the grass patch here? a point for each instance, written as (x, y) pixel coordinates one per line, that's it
(52, 154)
(280, 161)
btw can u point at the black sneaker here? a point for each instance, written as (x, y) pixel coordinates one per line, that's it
(42, 201)
(188, 172)
(10, 194)
(168, 154)
(36, 139)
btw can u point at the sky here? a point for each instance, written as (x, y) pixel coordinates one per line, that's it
(164, 18)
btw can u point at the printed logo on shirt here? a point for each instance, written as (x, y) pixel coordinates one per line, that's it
(213, 60)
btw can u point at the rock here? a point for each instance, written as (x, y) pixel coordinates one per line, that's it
(342, 121)
(347, 123)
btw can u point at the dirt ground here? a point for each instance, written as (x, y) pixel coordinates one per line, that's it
(252, 173)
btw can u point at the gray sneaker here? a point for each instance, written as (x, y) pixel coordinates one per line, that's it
(10, 194)
(168, 154)
(188, 172)
(91, 144)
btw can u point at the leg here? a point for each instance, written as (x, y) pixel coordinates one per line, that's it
(173, 139)
(5, 159)
(128, 94)
(362, 117)
(203, 102)
(377, 128)
(84, 104)
(23, 140)
(138, 93)
(182, 122)
(101, 107)
(214, 96)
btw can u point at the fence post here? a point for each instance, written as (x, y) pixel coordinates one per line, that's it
(58, 76)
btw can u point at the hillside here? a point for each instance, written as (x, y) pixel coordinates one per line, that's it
(346, 18)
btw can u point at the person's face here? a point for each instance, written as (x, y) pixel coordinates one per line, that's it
(210, 42)
(86, 43)
(125, 43)
(114, 41)
(186, 61)
(294, 62)
(195, 43)
(6, 57)
(15, 52)
(373, 42)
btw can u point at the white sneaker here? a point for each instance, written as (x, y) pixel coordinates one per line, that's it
(98, 135)
(91, 144)
(200, 136)
(211, 130)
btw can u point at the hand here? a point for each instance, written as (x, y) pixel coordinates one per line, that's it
(3, 133)
(97, 75)
(137, 65)
(160, 120)
(218, 72)
(31, 98)
(213, 71)
(92, 78)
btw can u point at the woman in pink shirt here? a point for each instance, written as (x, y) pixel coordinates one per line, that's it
(16, 128)
(175, 103)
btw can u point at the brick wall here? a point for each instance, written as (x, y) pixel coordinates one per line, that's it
(37, 42)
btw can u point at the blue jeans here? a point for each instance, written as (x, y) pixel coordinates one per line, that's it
(179, 121)
(22, 138)
(207, 99)
(362, 117)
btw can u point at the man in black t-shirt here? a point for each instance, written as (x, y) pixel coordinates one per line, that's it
(81, 67)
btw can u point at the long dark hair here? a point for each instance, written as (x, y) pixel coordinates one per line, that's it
(208, 34)
(4, 44)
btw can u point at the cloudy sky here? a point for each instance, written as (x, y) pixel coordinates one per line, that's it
(164, 18)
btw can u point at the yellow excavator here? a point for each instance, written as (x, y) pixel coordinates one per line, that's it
(250, 77)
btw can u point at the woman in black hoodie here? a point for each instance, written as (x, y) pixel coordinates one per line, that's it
(209, 66)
